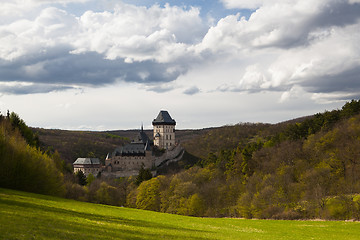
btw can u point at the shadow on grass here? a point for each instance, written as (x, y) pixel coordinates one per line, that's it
(58, 223)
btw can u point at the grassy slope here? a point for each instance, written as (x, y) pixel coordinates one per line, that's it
(32, 216)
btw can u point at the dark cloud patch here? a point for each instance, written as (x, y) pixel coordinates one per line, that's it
(20, 89)
(339, 13)
(334, 13)
(161, 89)
(59, 67)
(346, 81)
(192, 90)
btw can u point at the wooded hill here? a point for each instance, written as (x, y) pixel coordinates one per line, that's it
(74, 144)
(305, 168)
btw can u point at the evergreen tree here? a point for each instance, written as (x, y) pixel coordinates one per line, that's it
(81, 178)
(144, 175)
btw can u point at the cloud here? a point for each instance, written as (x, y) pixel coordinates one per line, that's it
(132, 44)
(286, 24)
(24, 88)
(87, 69)
(310, 45)
(250, 4)
(139, 33)
(192, 90)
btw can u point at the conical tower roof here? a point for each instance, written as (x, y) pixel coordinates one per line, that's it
(164, 118)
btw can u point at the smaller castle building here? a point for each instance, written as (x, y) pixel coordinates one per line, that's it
(87, 166)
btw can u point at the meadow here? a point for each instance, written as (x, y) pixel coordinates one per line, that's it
(33, 216)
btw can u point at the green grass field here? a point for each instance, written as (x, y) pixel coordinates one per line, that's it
(32, 216)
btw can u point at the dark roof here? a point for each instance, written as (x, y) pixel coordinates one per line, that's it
(137, 147)
(141, 138)
(87, 161)
(132, 149)
(164, 118)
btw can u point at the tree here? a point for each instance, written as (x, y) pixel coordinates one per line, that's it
(90, 178)
(148, 196)
(81, 178)
(107, 194)
(144, 175)
(196, 205)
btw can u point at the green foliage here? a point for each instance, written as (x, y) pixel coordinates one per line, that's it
(350, 109)
(148, 196)
(144, 175)
(25, 167)
(17, 123)
(107, 194)
(339, 207)
(247, 166)
(110, 135)
(90, 178)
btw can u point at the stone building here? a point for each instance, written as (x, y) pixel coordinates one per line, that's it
(132, 156)
(87, 166)
(164, 130)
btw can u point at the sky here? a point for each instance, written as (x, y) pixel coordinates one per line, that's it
(114, 64)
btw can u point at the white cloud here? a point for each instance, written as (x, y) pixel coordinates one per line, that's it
(139, 33)
(294, 93)
(313, 44)
(252, 79)
(251, 4)
(23, 37)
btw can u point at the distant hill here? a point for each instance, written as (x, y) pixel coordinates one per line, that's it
(74, 144)
(198, 142)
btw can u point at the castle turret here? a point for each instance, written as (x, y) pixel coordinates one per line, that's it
(164, 130)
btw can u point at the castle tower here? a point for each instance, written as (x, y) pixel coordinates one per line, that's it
(164, 130)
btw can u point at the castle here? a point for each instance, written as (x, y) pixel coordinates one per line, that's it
(145, 152)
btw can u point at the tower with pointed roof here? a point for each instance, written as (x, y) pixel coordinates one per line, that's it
(164, 130)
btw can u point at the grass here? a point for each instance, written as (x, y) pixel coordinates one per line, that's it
(33, 216)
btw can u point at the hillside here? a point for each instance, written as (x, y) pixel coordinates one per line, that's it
(74, 144)
(31, 216)
(299, 169)
(197, 142)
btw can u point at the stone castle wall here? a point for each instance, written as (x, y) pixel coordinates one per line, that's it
(168, 155)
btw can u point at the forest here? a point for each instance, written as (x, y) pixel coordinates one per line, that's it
(306, 168)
